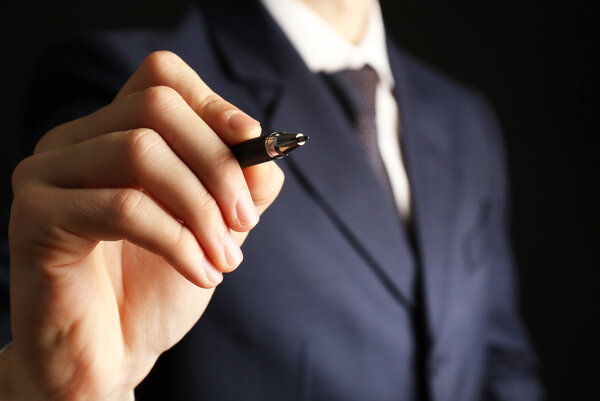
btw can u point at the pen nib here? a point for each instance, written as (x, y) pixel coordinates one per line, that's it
(300, 139)
(288, 141)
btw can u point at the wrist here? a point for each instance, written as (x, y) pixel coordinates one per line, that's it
(10, 378)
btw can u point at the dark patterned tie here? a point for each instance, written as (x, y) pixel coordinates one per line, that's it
(357, 89)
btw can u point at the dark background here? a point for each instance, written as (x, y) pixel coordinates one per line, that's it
(532, 59)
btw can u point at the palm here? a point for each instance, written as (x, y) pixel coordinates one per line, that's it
(153, 289)
(121, 303)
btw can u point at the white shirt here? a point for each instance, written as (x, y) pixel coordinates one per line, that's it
(324, 50)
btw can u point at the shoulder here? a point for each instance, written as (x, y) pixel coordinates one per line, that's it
(455, 114)
(125, 49)
(188, 37)
(440, 92)
(81, 74)
(434, 95)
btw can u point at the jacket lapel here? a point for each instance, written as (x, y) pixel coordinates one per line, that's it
(335, 170)
(429, 161)
(332, 167)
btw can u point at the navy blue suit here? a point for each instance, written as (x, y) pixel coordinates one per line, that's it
(324, 306)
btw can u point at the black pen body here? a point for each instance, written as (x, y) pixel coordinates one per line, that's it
(266, 148)
(251, 152)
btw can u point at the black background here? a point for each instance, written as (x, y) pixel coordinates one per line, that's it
(532, 59)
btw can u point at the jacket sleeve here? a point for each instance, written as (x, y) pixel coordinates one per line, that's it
(512, 367)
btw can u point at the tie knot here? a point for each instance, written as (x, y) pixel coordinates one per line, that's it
(358, 88)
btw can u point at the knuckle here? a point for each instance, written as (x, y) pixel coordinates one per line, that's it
(226, 166)
(48, 141)
(208, 208)
(22, 172)
(188, 252)
(182, 238)
(126, 204)
(26, 203)
(212, 102)
(140, 144)
(228, 172)
(160, 99)
(54, 138)
(158, 62)
(27, 196)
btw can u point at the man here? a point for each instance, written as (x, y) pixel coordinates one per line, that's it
(355, 285)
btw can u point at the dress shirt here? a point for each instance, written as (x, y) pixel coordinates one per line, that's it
(324, 50)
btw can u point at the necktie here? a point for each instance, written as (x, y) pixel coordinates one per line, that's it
(357, 88)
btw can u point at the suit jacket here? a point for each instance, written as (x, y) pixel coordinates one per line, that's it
(324, 304)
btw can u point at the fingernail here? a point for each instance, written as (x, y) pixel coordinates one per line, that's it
(240, 121)
(233, 253)
(246, 211)
(214, 276)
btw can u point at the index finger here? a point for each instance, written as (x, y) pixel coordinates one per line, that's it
(164, 68)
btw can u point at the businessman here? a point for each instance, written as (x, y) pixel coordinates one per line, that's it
(380, 270)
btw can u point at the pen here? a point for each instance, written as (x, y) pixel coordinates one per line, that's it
(269, 147)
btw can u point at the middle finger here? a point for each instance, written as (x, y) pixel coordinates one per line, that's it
(163, 110)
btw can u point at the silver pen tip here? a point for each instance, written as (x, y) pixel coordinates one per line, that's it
(300, 139)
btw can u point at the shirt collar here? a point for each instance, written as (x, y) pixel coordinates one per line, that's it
(323, 49)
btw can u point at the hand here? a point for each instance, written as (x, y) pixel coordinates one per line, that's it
(122, 223)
